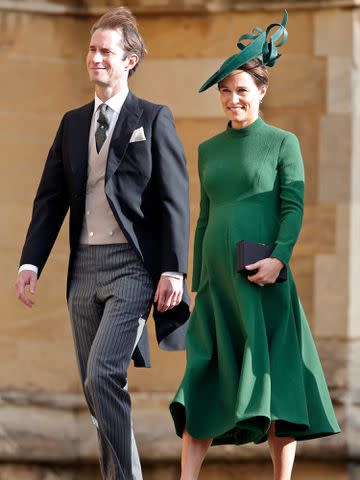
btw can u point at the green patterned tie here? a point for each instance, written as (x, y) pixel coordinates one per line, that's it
(105, 114)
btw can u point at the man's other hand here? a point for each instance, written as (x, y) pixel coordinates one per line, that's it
(168, 293)
(26, 277)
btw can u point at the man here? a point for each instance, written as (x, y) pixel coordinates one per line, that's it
(117, 163)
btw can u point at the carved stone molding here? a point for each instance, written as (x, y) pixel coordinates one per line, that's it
(96, 8)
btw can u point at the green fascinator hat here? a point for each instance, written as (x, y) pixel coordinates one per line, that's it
(263, 45)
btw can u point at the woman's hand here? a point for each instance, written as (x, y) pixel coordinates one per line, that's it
(267, 271)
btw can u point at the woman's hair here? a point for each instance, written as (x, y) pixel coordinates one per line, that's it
(258, 71)
(123, 21)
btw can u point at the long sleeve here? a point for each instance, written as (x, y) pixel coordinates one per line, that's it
(291, 177)
(50, 206)
(172, 180)
(199, 232)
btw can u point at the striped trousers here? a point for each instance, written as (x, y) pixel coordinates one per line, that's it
(110, 297)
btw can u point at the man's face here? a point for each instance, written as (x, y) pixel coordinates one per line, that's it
(106, 62)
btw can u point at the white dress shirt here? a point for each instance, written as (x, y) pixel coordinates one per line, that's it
(99, 224)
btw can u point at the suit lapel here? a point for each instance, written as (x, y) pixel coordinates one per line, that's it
(128, 120)
(80, 145)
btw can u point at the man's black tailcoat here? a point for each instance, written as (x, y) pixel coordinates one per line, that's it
(146, 185)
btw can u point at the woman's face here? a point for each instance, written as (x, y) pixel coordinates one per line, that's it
(240, 98)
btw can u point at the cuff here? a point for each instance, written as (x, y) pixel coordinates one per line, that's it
(177, 275)
(28, 266)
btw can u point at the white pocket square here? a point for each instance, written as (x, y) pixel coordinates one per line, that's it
(138, 135)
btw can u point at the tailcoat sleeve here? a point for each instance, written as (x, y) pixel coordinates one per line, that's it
(291, 180)
(49, 208)
(173, 189)
(200, 229)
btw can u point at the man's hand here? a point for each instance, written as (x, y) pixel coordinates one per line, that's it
(267, 271)
(26, 277)
(168, 293)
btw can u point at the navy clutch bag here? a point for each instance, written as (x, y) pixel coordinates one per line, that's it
(251, 252)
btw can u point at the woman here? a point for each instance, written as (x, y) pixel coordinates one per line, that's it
(253, 373)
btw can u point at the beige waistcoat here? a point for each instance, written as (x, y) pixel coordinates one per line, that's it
(99, 225)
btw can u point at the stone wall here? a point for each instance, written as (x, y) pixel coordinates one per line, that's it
(211, 471)
(314, 92)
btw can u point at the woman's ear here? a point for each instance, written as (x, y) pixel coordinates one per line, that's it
(262, 92)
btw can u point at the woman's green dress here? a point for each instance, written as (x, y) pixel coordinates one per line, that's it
(251, 358)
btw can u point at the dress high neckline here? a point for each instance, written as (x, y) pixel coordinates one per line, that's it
(250, 129)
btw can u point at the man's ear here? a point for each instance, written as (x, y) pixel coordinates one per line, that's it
(132, 60)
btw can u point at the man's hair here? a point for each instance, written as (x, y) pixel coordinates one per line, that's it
(123, 21)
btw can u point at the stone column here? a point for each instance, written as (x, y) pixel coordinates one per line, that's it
(336, 284)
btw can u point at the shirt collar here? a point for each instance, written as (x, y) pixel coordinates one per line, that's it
(115, 103)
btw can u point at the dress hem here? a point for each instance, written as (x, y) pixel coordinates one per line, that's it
(178, 412)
